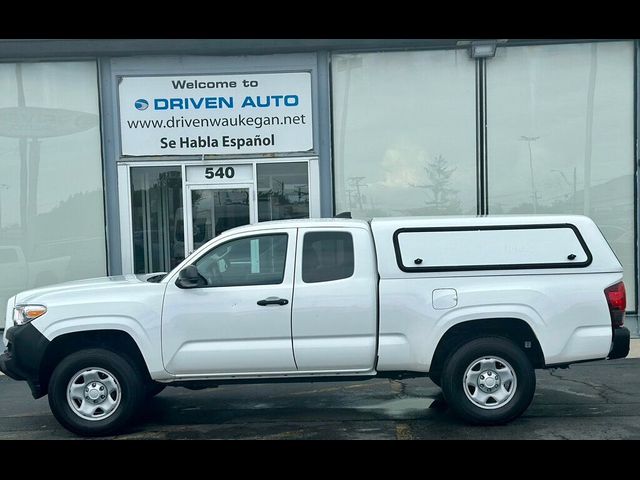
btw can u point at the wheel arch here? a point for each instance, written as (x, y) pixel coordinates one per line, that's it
(118, 341)
(512, 328)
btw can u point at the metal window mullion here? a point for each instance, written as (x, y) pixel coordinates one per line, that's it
(636, 152)
(166, 228)
(145, 221)
(482, 206)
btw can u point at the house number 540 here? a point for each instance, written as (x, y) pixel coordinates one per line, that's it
(220, 172)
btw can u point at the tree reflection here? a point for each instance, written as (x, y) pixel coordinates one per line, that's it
(442, 199)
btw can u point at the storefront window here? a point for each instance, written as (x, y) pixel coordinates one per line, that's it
(560, 137)
(404, 133)
(283, 191)
(51, 195)
(157, 218)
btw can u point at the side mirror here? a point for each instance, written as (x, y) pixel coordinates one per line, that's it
(189, 277)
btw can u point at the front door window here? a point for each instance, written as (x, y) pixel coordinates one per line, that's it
(246, 261)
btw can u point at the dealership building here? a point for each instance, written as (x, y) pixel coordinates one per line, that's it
(123, 156)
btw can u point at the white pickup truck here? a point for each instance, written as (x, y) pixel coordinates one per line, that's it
(475, 303)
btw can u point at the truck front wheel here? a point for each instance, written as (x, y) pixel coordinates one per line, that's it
(488, 381)
(95, 392)
(154, 388)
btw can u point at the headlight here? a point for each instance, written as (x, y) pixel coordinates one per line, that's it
(26, 313)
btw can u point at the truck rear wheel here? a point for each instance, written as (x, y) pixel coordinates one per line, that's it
(488, 381)
(95, 392)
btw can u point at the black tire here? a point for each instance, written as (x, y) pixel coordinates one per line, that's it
(123, 369)
(436, 377)
(453, 384)
(154, 388)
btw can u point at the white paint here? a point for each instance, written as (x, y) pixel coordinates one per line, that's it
(223, 329)
(222, 333)
(604, 260)
(443, 298)
(334, 322)
(126, 218)
(126, 303)
(554, 306)
(208, 120)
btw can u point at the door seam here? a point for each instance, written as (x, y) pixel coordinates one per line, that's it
(293, 291)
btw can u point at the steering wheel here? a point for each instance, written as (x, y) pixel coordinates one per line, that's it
(212, 267)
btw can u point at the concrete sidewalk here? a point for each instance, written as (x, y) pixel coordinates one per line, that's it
(634, 351)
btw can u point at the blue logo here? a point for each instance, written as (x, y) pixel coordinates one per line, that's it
(141, 104)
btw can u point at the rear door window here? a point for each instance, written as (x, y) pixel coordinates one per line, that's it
(327, 256)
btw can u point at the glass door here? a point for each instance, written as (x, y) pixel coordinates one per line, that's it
(216, 209)
(156, 214)
(167, 210)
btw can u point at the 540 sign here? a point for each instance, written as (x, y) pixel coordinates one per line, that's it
(217, 174)
(221, 172)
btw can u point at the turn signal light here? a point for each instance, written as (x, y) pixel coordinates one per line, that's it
(23, 314)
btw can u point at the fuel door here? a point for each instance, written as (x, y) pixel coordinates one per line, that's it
(444, 298)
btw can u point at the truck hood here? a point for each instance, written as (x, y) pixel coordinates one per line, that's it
(80, 286)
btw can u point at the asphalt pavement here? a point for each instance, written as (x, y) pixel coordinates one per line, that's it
(599, 400)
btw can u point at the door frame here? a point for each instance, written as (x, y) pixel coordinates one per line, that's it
(124, 191)
(197, 295)
(186, 192)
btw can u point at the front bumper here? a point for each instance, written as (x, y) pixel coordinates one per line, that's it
(23, 357)
(620, 343)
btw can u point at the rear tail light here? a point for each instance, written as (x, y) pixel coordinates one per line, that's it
(617, 301)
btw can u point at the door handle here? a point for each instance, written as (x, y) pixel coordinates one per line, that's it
(273, 301)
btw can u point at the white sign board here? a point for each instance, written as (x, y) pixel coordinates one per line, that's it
(216, 114)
